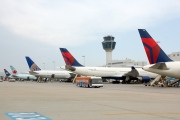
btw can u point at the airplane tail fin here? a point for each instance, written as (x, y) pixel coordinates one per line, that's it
(68, 58)
(153, 51)
(7, 73)
(14, 71)
(32, 65)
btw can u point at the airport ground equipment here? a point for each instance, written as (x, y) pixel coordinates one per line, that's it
(92, 82)
(172, 82)
(74, 80)
(158, 81)
(12, 80)
(155, 81)
(162, 81)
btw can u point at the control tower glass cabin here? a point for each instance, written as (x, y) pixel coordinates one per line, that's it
(108, 45)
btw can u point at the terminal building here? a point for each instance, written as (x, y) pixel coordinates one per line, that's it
(175, 56)
(109, 45)
(126, 63)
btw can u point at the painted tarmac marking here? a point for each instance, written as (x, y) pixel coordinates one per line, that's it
(26, 116)
(121, 113)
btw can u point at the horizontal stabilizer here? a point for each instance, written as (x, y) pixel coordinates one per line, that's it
(161, 66)
(68, 67)
(113, 77)
(33, 73)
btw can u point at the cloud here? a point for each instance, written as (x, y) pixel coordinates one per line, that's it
(72, 23)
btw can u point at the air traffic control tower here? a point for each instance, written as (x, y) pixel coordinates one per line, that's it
(108, 45)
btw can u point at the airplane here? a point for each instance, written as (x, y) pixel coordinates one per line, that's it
(35, 70)
(125, 74)
(160, 63)
(15, 74)
(8, 75)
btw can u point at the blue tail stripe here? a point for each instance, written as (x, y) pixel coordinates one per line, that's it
(144, 34)
(63, 50)
(76, 63)
(163, 57)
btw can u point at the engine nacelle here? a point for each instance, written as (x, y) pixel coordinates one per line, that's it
(145, 79)
(53, 76)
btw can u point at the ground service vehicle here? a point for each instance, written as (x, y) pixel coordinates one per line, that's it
(89, 81)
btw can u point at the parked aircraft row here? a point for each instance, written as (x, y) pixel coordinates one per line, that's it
(36, 73)
(17, 75)
(120, 73)
(160, 63)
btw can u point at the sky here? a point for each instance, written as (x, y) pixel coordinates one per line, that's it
(38, 28)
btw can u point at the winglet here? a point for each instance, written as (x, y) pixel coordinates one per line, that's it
(154, 53)
(68, 58)
(32, 65)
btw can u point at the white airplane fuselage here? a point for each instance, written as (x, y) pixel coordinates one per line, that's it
(25, 76)
(109, 71)
(172, 71)
(52, 74)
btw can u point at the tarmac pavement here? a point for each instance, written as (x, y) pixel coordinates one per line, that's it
(66, 101)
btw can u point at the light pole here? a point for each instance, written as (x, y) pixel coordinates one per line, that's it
(54, 64)
(84, 59)
(44, 66)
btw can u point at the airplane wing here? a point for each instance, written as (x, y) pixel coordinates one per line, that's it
(160, 65)
(133, 73)
(113, 77)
